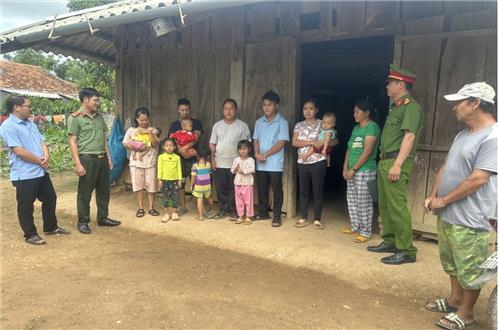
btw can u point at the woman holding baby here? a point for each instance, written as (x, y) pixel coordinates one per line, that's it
(142, 141)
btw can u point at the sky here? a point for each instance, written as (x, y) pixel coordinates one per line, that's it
(17, 13)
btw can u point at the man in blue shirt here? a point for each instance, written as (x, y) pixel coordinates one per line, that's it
(270, 135)
(29, 161)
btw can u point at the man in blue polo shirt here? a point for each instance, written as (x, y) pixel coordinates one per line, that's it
(29, 162)
(270, 135)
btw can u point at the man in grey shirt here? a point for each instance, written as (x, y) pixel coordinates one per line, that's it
(226, 134)
(464, 196)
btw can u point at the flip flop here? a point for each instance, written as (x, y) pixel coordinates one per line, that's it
(140, 213)
(360, 239)
(154, 212)
(453, 321)
(318, 225)
(247, 221)
(440, 306)
(349, 231)
(302, 223)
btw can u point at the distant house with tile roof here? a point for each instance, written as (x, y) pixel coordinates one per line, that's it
(31, 80)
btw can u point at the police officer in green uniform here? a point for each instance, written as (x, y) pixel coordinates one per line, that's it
(89, 149)
(398, 145)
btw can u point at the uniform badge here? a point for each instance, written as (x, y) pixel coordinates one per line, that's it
(407, 101)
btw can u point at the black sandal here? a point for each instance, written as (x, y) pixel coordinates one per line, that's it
(154, 213)
(35, 240)
(140, 213)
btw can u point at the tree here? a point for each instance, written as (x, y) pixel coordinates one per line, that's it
(74, 5)
(34, 57)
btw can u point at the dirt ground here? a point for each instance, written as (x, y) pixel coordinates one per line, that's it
(207, 275)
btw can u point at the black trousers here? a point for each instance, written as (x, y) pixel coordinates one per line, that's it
(27, 191)
(263, 179)
(96, 178)
(224, 185)
(311, 175)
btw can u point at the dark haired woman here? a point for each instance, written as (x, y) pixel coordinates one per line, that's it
(143, 169)
(312, 170)
(360, 166)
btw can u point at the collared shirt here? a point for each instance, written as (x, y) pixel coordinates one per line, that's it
(24, 134)
(308, 133)
(90, 131)
(268, 133)
(404, 114)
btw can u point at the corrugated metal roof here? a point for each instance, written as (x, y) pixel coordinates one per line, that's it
(27, 92)
(70, 32)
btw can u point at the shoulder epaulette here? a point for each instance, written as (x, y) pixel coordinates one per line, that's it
(407, 101)
(76, 114)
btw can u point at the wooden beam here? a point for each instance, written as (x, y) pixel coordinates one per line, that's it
(312, 36)
(468, 33)
(103, 36)
(428, 147)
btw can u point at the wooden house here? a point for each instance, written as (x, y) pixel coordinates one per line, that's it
(335, 51)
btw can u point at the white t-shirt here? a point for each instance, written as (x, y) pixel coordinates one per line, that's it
(226, 137)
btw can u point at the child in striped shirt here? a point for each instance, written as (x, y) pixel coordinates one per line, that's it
(201, 184)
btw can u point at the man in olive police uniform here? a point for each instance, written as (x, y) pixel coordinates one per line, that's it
(90, 151)
(398, 145)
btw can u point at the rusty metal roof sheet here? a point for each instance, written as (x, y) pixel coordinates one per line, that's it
(17, 78)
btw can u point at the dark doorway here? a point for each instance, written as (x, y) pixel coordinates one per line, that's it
(337, 74)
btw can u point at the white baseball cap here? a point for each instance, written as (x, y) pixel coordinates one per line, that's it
(478, 89)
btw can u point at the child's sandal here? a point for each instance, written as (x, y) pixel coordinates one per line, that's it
(175, 216)
(165, 218)
(247, 221)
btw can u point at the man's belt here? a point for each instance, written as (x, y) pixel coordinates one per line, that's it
(393, 155)
(99, 156)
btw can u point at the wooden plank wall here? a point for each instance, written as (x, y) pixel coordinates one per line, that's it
(272, 65)
(476, 61)
(425, 93)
